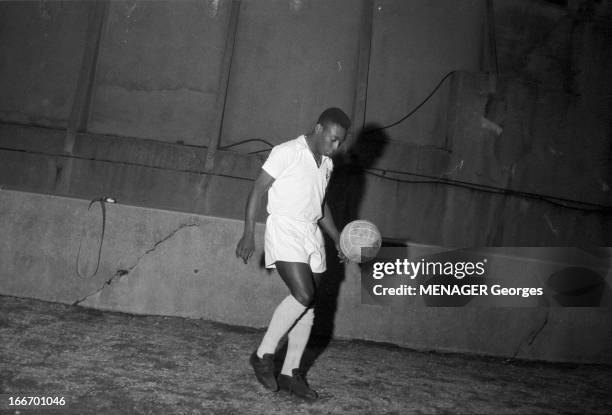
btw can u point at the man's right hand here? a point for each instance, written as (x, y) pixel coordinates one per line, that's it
(245, 247)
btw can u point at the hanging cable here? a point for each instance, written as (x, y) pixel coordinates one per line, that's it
(405, 117)
(102, 201)
(415, 109)
(127, 163)
(431, 180)
(258, 140)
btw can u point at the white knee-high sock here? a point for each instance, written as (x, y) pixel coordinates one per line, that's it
(298, 338)
(287, 312)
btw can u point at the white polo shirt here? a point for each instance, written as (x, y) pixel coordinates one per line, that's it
(299, 186)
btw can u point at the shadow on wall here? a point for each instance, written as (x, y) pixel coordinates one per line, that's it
(583, 286)
(578, 287)
(344, 197)
(347, 184)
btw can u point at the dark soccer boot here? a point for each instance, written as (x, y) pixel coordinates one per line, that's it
(296, 385)
(264, 370)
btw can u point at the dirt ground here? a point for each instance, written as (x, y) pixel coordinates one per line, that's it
(114, 363)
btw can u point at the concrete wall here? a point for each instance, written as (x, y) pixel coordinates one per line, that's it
(137, 172)
(42, 45)
(415, 44)
(292, 60)
(159, 64)
(157, 83)
(162, 262)
(541, 151)
(169, 176)
(153, 111)
(159, 68)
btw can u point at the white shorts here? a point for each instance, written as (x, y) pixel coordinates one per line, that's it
(290, 240)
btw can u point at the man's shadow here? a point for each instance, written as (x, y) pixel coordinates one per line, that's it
(344, 196)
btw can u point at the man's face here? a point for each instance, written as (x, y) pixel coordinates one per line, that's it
(332, 136)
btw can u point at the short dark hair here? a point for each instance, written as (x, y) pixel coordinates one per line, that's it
(335, 116)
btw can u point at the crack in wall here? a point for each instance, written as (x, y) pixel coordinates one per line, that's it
(122, 272)
(538, 331)
(533, 336)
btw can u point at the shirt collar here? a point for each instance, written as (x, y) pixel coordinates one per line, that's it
(303, 142)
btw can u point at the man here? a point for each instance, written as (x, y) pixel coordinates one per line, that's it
(295, 175)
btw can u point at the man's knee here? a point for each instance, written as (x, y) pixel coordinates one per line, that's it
(305, 296)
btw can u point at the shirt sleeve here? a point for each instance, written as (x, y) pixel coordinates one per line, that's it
(278, 161)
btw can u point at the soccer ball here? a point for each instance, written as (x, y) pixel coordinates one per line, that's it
(360, 234)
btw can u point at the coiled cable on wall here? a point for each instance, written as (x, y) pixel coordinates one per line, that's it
(102, 200)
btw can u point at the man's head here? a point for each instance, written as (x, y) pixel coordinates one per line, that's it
(330, 131)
